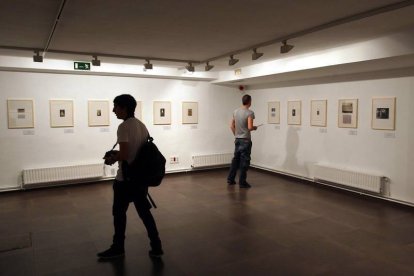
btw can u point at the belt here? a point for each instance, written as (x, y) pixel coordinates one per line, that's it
(247, 139)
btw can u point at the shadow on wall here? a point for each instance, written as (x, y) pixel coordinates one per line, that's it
(291, 164)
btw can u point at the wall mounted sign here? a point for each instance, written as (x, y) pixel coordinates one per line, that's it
(81, 65)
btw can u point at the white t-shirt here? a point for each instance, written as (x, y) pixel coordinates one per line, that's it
(135, 133)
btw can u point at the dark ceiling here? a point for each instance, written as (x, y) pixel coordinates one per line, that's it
(192, 30)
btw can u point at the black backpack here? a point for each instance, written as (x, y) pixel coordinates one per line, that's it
(148, 167)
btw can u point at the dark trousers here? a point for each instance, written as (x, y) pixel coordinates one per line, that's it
(122, 198)
(241, 160)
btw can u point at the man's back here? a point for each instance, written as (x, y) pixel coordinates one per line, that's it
(240, 116)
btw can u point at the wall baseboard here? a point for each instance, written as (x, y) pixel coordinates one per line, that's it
(311, 180)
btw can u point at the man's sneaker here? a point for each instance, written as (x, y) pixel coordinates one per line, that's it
(245, 185)
(155, 253)
(231, 182)
(112, 253)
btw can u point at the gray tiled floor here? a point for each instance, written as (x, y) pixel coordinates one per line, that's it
(279, 227)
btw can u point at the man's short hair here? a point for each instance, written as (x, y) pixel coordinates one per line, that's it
(246, 99)
(126, 101)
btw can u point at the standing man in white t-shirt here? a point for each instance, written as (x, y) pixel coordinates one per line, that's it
(241, 126)
(132, 134)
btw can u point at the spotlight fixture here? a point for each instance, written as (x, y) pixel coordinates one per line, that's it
(256, 55)
(208, 66)
(96, 61)
(148, 65)
(190, 67)
(37, 57)
(285, 48)
(232, 60)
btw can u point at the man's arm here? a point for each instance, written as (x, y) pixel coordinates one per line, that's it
(233, 126)
(123, 151)
(250, 125)
(120, 155)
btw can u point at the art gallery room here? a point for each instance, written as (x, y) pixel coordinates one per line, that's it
(331, 165)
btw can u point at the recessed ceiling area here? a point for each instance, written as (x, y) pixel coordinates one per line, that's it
(189, 30)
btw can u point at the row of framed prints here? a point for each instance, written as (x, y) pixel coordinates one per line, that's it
(20, 113)
(383, 113)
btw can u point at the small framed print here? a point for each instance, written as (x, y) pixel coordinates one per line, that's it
(162, 113)
(273, 112)
(318, 113)
(190, 113)
(348, 113)
(20, 114)
(294, 113)
(383, 113)
(61, 113)
(98, 113)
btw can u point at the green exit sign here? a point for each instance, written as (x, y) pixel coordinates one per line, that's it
(82, 65)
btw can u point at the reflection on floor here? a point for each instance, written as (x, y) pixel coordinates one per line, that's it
(279, 227)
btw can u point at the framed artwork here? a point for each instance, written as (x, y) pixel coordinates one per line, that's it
(318, 113)
(20, 113)
(348, 113)
(294, 112)
(98, 113)
(162, 113)
(190, 113)
(383, 113)
(273, 112)
(61, 113)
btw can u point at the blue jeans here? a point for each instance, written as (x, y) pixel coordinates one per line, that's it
(241, 160)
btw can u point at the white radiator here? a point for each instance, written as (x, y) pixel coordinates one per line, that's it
(210, 160)
(62, 174)
(354, 179)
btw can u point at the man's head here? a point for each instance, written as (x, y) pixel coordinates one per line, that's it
(124, 106)
(247, 100)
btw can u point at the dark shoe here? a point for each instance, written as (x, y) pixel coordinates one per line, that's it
(231, 182)
(155, 253)
(245, 185)
(112, 253)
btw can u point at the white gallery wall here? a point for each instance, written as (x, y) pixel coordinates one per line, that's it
(44, 146)
(294, 149)
(283, 148)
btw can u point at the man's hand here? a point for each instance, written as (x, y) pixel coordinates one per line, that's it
(110, 157)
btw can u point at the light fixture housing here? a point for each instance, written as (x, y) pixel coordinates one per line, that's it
(37, 57)
(285, 48)
(148, 65)
(96, 61)
(233, 60)
(256, 55)
(208, 66)
(190, 67)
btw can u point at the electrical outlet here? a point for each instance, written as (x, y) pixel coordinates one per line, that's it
(173, 160)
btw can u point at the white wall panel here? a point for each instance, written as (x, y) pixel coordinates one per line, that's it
(51, 147)
(294, 149)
